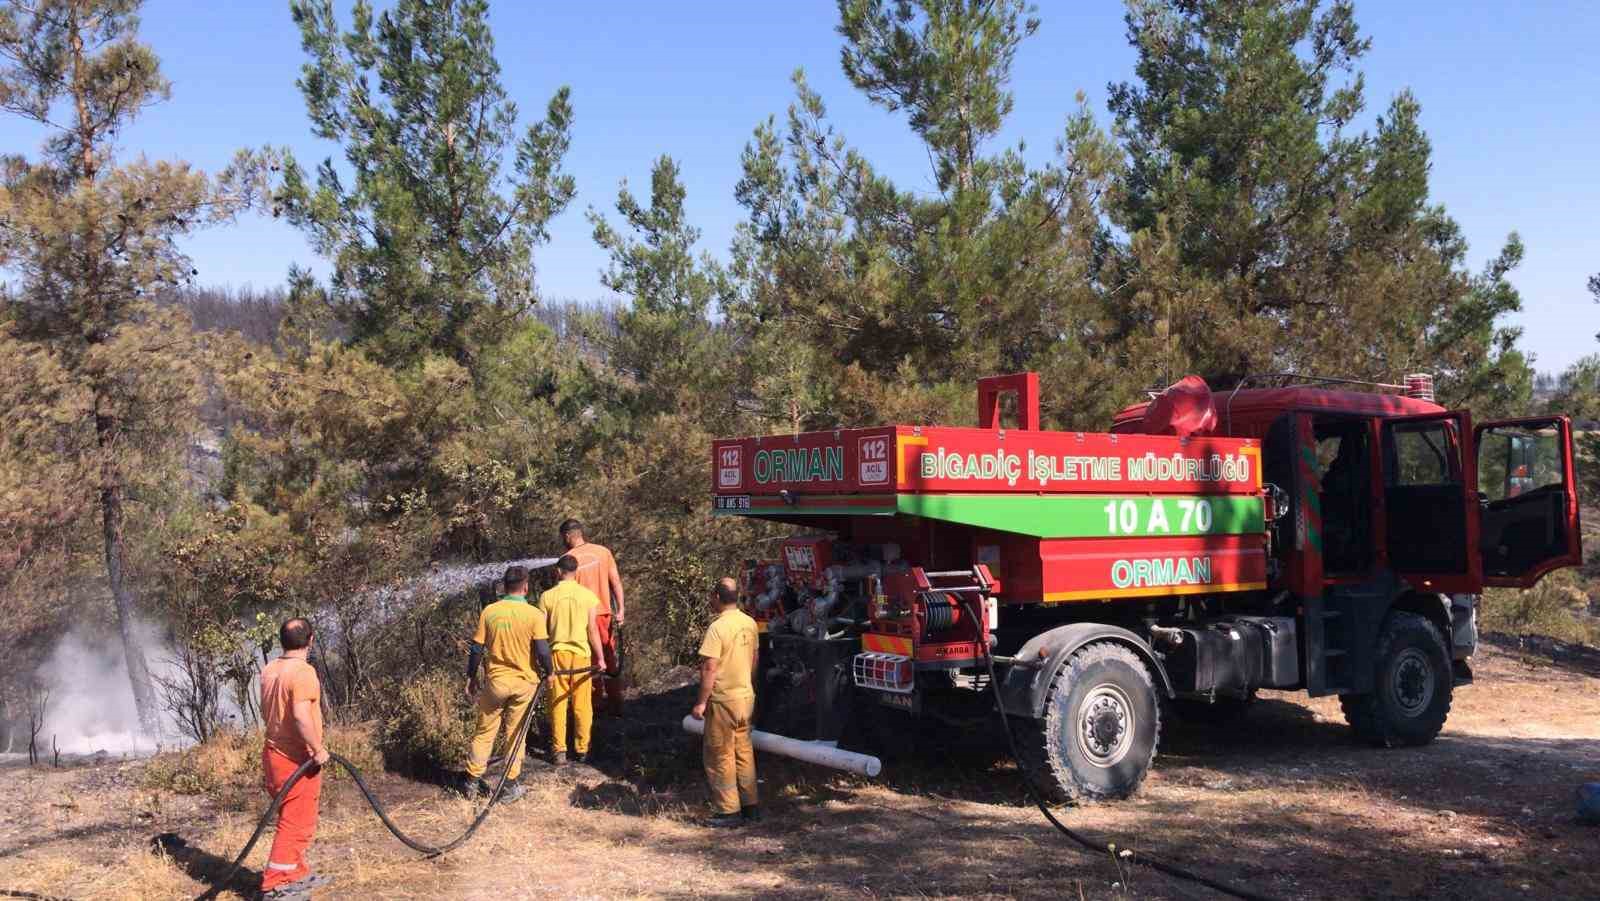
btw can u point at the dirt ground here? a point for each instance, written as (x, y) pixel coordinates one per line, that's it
(1282, 802)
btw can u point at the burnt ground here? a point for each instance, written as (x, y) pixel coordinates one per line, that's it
(1283, 802)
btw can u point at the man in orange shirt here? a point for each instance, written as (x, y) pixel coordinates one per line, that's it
(291, 709)
(597, 571)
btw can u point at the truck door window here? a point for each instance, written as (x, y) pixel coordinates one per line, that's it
(1513, 461)
(1425, 500)
(1423, 455)
(1527, 528)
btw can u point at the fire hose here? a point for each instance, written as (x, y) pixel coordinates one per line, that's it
(1154, 863)
(520, 736)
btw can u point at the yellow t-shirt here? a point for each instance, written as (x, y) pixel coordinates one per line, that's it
(732, 641)
(507, 630)
(566, 609)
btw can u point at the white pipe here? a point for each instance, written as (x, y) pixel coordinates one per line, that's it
(821, 753)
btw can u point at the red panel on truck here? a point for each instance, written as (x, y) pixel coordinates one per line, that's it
(982, 460)
(900, 459)
(842, 462)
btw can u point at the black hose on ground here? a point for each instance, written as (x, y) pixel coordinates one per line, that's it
(1153, 863)
(521, 735)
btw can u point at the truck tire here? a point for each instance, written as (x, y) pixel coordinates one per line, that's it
(1100, 727)
(1411, 688)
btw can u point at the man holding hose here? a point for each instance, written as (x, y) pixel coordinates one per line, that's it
(291, 711)
(572, 613)
(510, 636)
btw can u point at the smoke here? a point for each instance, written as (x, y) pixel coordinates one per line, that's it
(90, 706)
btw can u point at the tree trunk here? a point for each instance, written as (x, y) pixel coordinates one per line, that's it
(144, 692)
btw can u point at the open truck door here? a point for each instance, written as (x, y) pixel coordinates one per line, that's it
(1529, 500)
(1430, 508)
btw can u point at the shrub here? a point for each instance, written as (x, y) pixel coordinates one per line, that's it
(357, 743)
(427, 727)
(228, 765)
(1556, 608)
(229, 760)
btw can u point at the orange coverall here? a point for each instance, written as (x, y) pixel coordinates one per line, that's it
(283, 682)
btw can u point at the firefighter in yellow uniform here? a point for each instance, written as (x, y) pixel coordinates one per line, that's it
(571, 613)
(727, 703)
(510, 637)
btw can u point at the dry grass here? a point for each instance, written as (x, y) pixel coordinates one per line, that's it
(228, 767)
(1289, 806)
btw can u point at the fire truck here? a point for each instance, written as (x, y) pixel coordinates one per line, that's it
(1300, 536)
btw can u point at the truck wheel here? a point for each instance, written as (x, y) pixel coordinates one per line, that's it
(1411, 689)
(1100, 727)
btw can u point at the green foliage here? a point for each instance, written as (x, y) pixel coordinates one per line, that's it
(663, 342)
(1577, 395)
(1272, 218)
(85, 241)
(45, 467)
(946, 63)
(432, 240)
(855, 290)
(1555, 608)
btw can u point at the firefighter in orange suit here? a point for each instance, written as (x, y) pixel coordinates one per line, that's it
(291, 711)
(597, 571)
(727, 703)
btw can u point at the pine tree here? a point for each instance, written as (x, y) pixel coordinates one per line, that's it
(1594, 292)
(663, 341)
(431, 239)
(1300, 244)
(995, 272)
(946, 63)
(87, 241)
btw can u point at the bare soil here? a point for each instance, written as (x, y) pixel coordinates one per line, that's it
(1283, 802)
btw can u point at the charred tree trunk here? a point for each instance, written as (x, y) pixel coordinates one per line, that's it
(111, 520)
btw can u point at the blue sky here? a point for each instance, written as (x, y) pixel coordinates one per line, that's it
(1508, 93)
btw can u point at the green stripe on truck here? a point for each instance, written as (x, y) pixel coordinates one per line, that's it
(1093, 516)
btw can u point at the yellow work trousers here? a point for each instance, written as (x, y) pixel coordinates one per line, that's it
(574, 694)
(730, 760)
(500, 703)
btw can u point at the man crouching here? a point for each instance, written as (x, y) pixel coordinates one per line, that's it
(727, 703)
